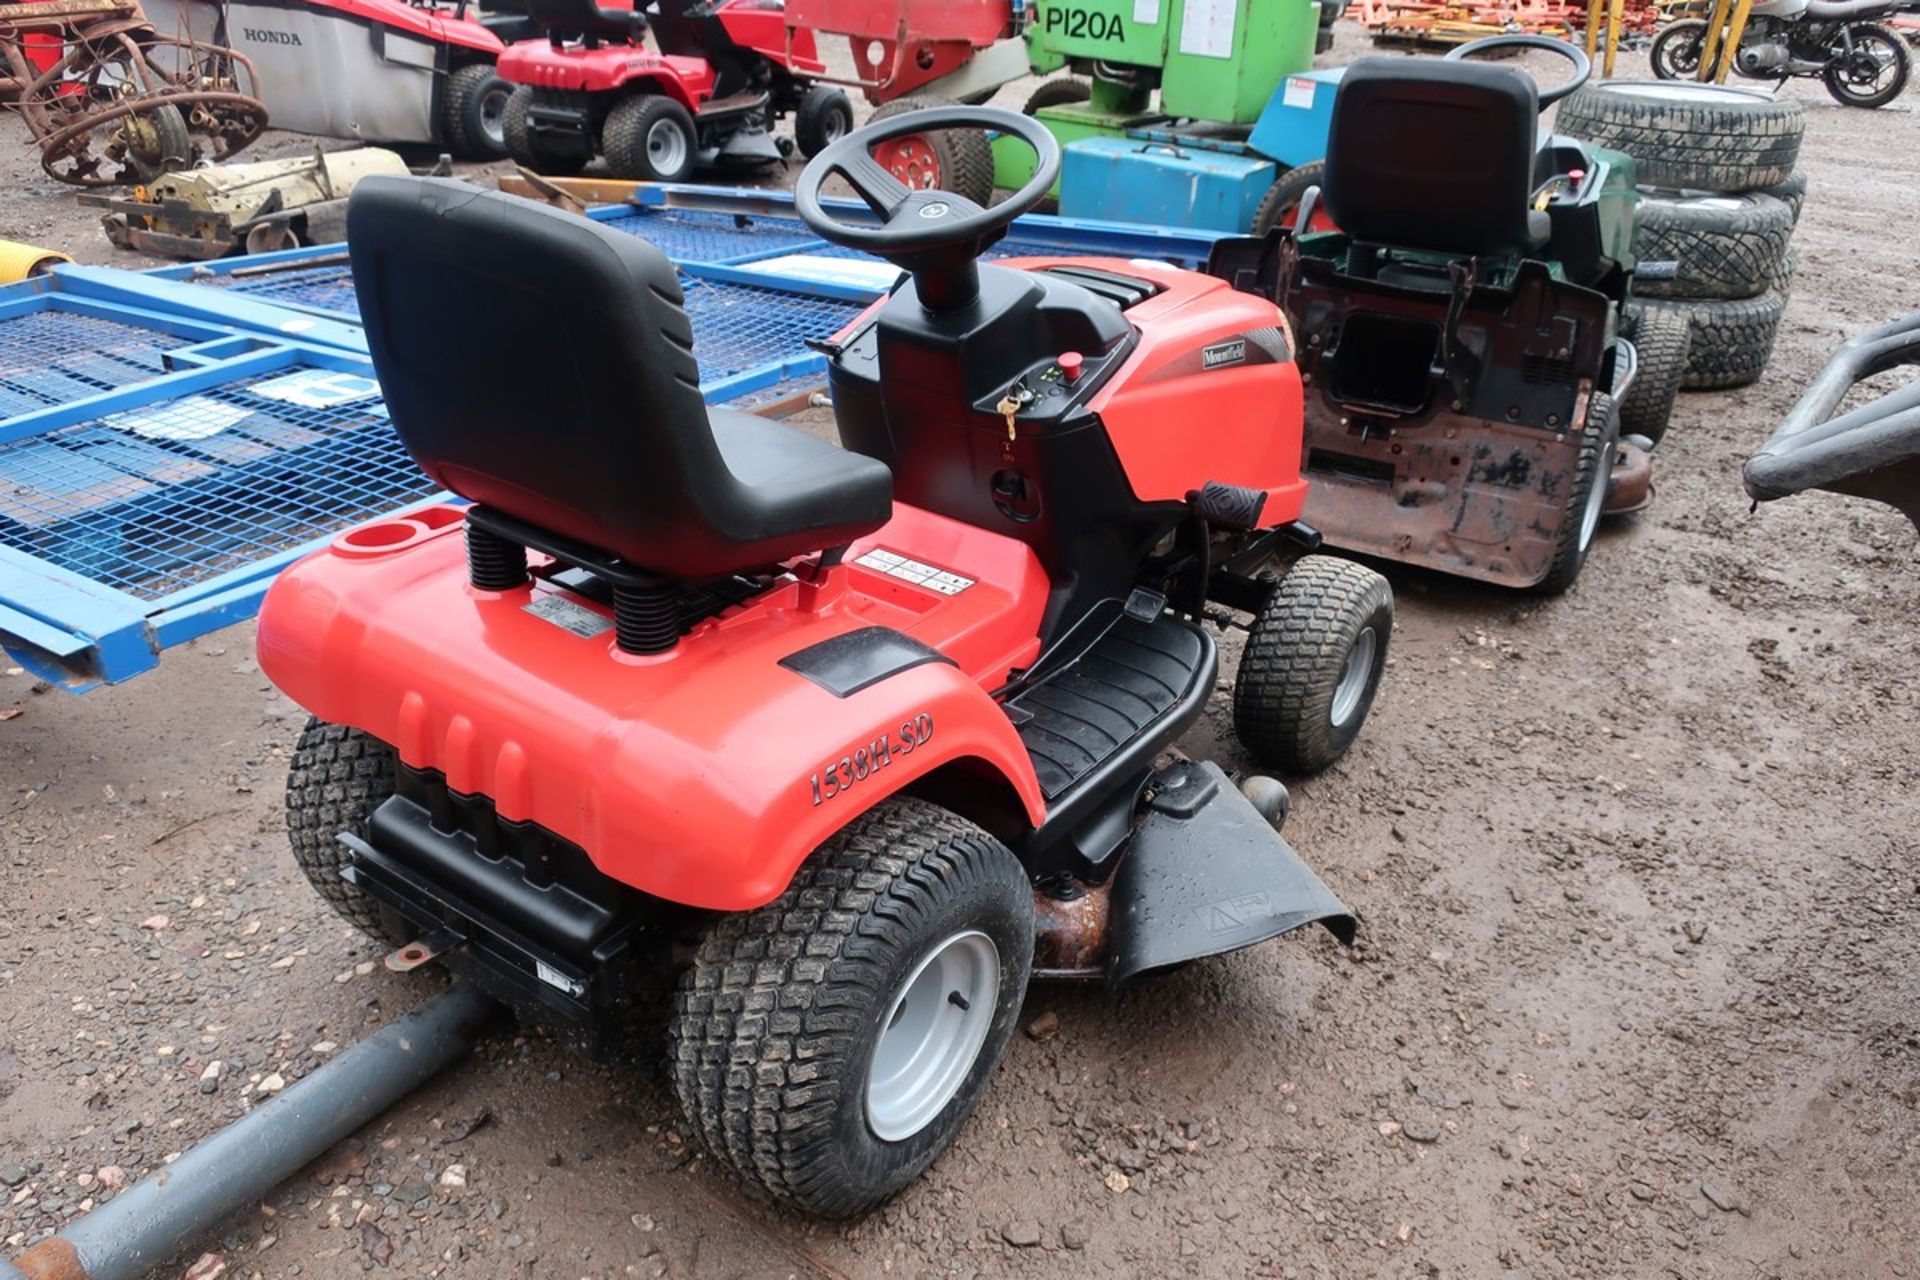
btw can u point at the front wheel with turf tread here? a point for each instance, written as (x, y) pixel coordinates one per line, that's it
(1661, 339)
(778, 1021)
(1326, 625)
(1689, 136)
(648, 138)
(475, 112)
(337, 778)
(824, 116)
(1586, 496)
(963, 158)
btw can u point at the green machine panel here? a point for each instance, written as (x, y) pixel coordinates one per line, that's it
(1219, 59)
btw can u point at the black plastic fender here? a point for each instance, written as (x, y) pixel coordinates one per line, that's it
(1206, 874)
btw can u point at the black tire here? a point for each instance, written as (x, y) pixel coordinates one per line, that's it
(1661, 338)
(1283, 198)
(337, 778)
(963, 158)
(526, 152)
(1694, 137)
(1062, 92)
(777, 1021)
(1727, 246)
(157, 143)
(474, 112)
(1731, 341)
(1675, 52)
(1296, 663)
(1792, 193)
(648, 138)
(824, 116)
(1783, 279)
(1590, 471)
(1842, 88)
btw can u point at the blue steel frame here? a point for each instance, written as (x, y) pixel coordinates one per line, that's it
(78, 632)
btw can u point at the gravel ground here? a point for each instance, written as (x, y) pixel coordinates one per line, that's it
(1633, 995)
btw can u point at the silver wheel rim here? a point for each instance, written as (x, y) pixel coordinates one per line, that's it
(836, 126)
(1596, 499)
(1354, 677)
(666, 147)
(932, 1035)
(493, 117)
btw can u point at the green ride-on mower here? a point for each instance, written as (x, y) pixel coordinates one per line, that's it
(1476, 397)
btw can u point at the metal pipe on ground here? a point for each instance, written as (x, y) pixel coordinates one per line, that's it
(161, 1215)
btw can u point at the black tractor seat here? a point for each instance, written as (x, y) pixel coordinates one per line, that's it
(583, 19)
(542, 366)
(1435, 156)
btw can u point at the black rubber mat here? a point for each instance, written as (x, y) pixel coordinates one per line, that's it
(1090, 709)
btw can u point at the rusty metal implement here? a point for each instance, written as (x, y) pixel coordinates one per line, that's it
(112, 102)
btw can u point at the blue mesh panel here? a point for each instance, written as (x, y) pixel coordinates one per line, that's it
(53, 357)
(737, 327)
(230, 478)
(319, 288)
(692, 235)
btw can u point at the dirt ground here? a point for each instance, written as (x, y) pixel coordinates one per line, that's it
(1635, 994)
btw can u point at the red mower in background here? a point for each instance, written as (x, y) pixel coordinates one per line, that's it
(847, 743)
(725, 73)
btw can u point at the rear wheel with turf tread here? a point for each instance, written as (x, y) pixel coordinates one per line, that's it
(962, 158)
(1312, 664)
(1688, 136)
(649, 138)
(474, 112)
(521, 146)
(781, 1048)
(1586, 496)
(336, 779)
(1282, 201)
(1661, 338)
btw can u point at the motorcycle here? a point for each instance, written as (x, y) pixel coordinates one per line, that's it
(1863, 62)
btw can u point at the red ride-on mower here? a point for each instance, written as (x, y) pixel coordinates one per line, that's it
(725, 73)
(849, 742)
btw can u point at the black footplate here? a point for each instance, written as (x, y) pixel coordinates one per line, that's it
(1124, 695)
(1229, 506)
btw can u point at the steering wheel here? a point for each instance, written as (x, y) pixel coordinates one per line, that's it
(936, 235)
(1582, 65)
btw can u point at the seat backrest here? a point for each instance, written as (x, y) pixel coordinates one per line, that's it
(539, 364)
(1425, 153)
(585, 18)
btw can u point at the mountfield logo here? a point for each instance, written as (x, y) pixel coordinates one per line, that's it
(1222, 354)
(260, 35)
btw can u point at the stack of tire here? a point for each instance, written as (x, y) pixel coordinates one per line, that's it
(1719, 198)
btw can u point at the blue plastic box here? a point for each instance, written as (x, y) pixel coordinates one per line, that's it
(1293, 128)
(1136, 180)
